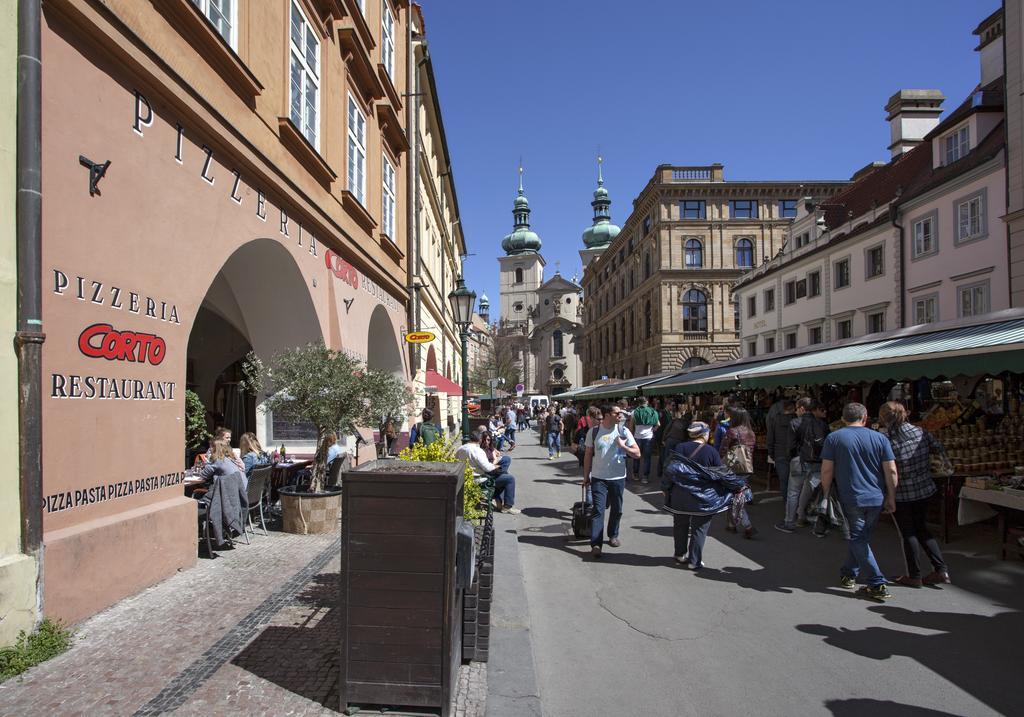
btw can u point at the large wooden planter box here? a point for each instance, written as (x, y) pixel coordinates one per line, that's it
(401, 623)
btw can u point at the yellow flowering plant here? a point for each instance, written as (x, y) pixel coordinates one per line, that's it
(444, 452)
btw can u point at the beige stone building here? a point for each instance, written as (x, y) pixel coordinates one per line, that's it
(1014, 58)
(659, 295)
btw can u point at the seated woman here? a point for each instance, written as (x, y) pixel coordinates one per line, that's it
(252, 452)
(222, 463)
(493, 454)
(219, 434)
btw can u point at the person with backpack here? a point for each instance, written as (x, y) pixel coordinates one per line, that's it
(643, 423)
(737, 454)
(554, 431)
(809, 436)
(586, 422)
(426, 431)
(693, 497)
(604, 470)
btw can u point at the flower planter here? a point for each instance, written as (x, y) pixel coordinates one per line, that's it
(310, 513)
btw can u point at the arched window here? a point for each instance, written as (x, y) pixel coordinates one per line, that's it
(695, 311)
(519, 276)
(744, 254)
(647, 319)
(556, 343)
(694, 361)
(694, 254)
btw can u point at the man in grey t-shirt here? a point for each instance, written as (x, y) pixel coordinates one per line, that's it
(604, 469)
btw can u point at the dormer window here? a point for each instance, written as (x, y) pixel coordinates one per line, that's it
(956, 144)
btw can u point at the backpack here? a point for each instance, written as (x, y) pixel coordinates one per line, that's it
(813, 439)
(428, 433)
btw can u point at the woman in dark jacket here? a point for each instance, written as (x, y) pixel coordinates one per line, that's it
(694, 495)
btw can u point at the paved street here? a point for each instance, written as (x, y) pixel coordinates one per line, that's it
(763, 631)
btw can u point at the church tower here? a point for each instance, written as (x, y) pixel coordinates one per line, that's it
(599, 235)
(522, 267)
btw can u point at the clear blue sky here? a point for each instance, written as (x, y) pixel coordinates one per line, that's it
(785, 90)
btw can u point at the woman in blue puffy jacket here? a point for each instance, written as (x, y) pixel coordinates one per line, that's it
(696, 487)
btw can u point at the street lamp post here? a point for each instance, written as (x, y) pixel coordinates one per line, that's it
(462, 301)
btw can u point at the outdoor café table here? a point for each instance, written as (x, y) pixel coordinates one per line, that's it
(977, 504)
(283, 473)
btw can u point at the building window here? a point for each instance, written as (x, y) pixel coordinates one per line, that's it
(647, 226)
(876, 322)
(844, 329)
(558, 373)
(969, 219)
(387, 39)
(693, 362)
(736, 317)
(557, 344)
(752, 348)
(692, 209)
(924, 237)
(791, 340)
(388, 201)
(769, 344)
(790, 292)
(222, 15)
(517, 307)
(647, 265)
(874, 261)
(814, 335)
(356, 151)
(647, 319)
(518, 276)
(814, 283)
(744, 254)
(743, 209)
(769, 300)
(787, 208)
(957, 144)
(694, 254)
(841, 271)
(695, 311)
(801, 288)
(751, 306)
(973, 300)
(802, 240)
(304, 90)
(926, 310)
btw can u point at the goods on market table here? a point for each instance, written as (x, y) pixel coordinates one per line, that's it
(973, 448)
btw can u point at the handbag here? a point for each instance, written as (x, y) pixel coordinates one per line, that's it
(739, 459)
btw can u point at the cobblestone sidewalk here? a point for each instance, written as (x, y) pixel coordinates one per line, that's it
(251, 632)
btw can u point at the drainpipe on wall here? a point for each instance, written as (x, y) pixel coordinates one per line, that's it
(416, 205)
(894, 212)
(29, 337)
(413, 40)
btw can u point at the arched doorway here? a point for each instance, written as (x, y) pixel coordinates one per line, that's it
(431, 359)
(258, 302)
(382, 350)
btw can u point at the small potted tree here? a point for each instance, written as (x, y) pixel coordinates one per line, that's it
(196, 432)
(332, 391)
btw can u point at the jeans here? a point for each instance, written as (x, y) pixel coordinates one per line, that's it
(504, 482)
(607, 494)
(812, 479)
(803, 479)
(646, 446)
(911, 517)
(782, 470)
(554, 443)
(860, 561)
(689, 533)
(510, 434)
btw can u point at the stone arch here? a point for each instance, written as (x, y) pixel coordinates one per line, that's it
(431, 359)
(382, 349)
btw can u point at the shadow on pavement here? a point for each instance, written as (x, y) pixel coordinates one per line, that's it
(552, 513)
(880, 708)
(557, 481)
(581, 549)
(978, 653)
(303, 657)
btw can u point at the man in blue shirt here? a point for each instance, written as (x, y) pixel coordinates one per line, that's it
(863, 466)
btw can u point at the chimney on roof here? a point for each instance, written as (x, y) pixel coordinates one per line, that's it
(990, 46)
(912, 115)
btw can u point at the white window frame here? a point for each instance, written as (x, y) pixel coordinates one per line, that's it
(868, 251)
(387, 39)
(986, 296)
(769, 348)
(752, 347)
(975, 227)
(956, 144)
(769, 305)
(867, 322)
(206, 7)
(356, 160)
(299, 54)
(786, 342)
(922, 302)
(810, 335)
(388, 199)
(918, 236)
(849, 324)
(835, 273)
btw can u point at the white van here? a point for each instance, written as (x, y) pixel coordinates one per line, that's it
(536, 400)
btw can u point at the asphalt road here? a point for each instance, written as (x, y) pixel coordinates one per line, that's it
(765, 630)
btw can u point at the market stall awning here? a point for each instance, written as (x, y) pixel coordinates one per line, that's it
(709, 378)
(917, 353)
(623, 389)
(440, 384)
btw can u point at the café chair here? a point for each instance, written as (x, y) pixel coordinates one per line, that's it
(257, 484)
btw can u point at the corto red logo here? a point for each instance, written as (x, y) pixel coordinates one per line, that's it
(341, 269)
(106, 342)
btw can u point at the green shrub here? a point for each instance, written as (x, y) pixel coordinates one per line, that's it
(444, 451)
(49, 640)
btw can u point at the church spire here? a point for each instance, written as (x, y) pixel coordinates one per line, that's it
(522, 240)
(602, 232)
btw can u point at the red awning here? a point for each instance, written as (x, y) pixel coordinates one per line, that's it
(440, 384)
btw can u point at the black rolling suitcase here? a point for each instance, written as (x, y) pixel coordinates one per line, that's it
(582, 514)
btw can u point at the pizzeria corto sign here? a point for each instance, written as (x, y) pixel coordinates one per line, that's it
(419, 337)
